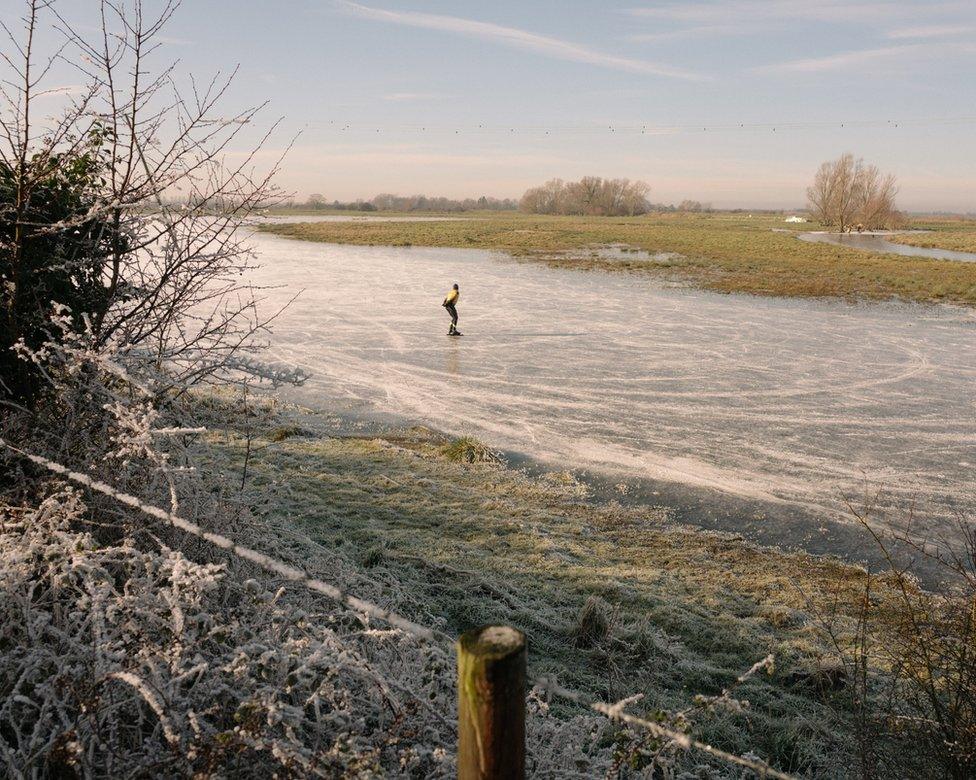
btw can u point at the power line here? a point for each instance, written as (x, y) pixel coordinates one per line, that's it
(648, 129)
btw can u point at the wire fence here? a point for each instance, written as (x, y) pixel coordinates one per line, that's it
(615, 711)
(266, 562)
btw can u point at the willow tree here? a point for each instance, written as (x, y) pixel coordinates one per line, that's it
(846, 192)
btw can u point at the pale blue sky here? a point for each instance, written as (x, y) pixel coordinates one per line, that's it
(511, 93)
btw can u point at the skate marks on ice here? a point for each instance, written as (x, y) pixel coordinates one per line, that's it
(792, 402)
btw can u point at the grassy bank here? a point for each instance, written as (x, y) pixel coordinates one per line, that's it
(615, 601)
(956, 234)
(727, 253)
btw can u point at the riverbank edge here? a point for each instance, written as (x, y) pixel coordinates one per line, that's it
(464, 539)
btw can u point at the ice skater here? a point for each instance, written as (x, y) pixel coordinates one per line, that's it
(450, 303)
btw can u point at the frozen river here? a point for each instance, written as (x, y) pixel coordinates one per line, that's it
(876, 242)
(792, 406)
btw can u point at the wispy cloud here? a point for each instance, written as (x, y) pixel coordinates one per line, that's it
(894, 20)
(516, 38)
(708, 12)
(696, 32)
(406, 97)
(931, 31)
(844, 60)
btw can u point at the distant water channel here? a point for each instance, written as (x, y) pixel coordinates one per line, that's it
(876, 243)
(788, 409)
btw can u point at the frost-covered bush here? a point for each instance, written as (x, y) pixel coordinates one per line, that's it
(118, 660)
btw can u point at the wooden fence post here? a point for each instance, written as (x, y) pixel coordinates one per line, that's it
(491, 704)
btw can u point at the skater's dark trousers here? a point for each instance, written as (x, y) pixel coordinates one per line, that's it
(452, 310)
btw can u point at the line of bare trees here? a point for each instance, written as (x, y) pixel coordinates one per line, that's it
(591, 195)
(847, 193)
(389, 202)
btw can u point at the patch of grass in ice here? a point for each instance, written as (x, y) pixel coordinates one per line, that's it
(467, 449)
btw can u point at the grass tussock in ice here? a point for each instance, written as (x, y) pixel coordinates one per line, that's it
(467, 449)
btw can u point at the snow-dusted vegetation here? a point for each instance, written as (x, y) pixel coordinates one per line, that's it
(129, 658)
(125, 658)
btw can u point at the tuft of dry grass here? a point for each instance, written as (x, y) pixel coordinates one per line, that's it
(722, 252)
(468, 449)
(593, 622)
(283, 432)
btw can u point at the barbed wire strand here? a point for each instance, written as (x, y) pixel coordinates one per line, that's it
(617, 711)
(264, 561)
(614, 711)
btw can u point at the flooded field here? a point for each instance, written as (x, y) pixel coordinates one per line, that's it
(794, 406)
(877, 243)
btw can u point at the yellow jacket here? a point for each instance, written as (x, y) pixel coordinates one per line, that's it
(452, 297)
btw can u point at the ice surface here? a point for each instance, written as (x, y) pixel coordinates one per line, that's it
(621, 252)
(796, 402)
